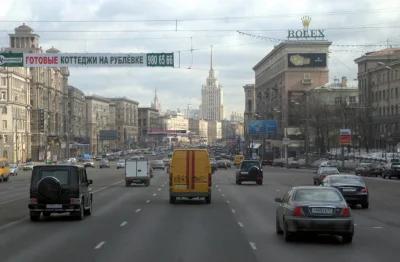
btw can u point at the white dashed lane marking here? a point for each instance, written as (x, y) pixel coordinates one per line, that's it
(227, 201)
(123, 224)
(154, 194)
(138, 210)
(147, 201)
(233, 210)
(377, 227)
(240, 224)
(253, 245)
(100, 245)
(223, 195)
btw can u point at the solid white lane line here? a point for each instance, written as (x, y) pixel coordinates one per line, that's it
(253, 245)
(227, 201)
(233, 210)
(159, 189)
(377, 227)
(100, 245)
(147, 201)
(138, 210)
(123, 224)
(13, 223)
(154, 194)
(240, 224)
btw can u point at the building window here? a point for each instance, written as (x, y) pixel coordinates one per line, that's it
(4, 110)
(352, 99)
(5, 154)
(337, 101)
(3, 96)
(4, 123)
(3, 81)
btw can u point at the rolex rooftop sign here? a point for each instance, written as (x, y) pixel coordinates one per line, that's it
(305, 33)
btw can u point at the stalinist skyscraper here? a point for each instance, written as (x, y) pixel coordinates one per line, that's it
(212, 97)
(156, 104)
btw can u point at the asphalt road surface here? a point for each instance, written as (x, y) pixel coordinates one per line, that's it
(139, 224)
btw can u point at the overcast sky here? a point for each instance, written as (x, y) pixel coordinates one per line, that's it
(355, 22)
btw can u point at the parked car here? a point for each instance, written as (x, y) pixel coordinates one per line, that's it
(392, 169)
(104, 163)
(222, 164)
(278, 163)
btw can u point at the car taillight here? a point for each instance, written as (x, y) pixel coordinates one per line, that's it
(345, 212)
(209, 179)
(258, 178)
(74, 200)
(170, 179)
(322, 176)
(298, 211)
(242, 177)
(364, 190)
(33, 201)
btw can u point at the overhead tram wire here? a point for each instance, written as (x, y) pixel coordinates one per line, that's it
(333, 13)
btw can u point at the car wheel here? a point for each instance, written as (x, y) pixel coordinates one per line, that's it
(208, 200)
(286, 234)
(279, 231)
(347, 239)
(365, 205)
(79, 215)
(117, 167)
(239, 182)
(35, 216)
(172, 199)
(88, 211)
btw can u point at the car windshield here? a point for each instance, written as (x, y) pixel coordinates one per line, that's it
(61, 175)
(13, 166)
(356, 181)
(317, 195)
(158, 162)
(121, 161)
(329, 170)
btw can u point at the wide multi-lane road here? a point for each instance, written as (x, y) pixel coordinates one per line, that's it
(139, 224)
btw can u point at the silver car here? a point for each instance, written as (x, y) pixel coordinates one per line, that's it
(316, 210)
(104, 163)
(121, 164)
(13, 169)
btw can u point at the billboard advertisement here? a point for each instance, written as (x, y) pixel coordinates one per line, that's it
(262, 127)
(307, 60)
(345, 137)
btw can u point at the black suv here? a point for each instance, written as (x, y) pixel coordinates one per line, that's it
(249, 170)
(60, 189)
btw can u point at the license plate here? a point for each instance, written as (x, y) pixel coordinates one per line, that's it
(349, 190)
(323, 211)
(180, 186)
(135, 181)
(53, 206)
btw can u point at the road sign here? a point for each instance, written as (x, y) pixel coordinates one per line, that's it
(87, 60)
(345, 136)
(286, 141)
(11, 59)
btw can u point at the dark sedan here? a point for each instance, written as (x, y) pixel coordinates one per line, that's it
(316, 210)
(222, 164)
(352, 188)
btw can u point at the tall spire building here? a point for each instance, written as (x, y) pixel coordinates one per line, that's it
(212, 100)
(156, 104)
